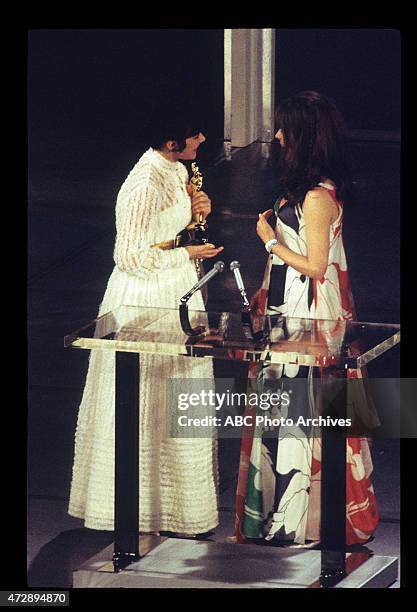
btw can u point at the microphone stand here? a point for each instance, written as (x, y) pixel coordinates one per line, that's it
(183, 307)
(247, 323)
(185, 322)
(245, 313)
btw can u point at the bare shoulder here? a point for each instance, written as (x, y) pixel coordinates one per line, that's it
(319, 202)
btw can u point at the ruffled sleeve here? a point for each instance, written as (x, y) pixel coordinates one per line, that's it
(133, 251)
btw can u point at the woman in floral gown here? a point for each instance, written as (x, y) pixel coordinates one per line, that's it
(306, 276)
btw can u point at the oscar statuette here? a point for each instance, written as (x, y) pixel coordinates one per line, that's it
(196, 232)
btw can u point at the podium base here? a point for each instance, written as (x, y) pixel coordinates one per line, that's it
(177, 563)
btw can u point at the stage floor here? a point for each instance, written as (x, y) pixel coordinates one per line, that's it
(181, 563)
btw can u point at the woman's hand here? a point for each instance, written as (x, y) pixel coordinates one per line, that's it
(263, 229)
(200, 204)
(203, 251)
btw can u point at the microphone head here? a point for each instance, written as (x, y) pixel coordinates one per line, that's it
(219, 266)
(234, 265)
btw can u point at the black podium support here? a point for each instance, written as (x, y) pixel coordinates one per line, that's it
(333, 484)
(126, 490)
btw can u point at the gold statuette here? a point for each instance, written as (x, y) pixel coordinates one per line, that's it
(197, 230)
(197, 178)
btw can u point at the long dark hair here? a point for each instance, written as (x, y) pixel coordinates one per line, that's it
(315, 140)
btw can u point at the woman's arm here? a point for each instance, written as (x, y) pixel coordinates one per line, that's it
(318, 213)
(133, 251)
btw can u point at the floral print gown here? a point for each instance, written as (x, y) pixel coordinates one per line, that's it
(278, 491)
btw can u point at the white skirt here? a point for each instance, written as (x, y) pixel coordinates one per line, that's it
(178, 483)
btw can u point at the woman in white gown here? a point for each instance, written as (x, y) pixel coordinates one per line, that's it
(178, 477)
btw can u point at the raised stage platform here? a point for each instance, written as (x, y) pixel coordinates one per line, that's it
(181, 563)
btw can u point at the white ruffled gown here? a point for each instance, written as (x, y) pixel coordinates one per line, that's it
(178, 477)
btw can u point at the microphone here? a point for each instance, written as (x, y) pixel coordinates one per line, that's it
(218, 267)
(235, 268)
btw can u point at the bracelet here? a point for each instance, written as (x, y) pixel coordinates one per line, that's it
(270, 244)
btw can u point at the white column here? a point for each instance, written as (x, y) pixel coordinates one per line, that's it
(268, 85)
(249, 69)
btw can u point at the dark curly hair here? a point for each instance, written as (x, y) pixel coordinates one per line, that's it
(315, 139)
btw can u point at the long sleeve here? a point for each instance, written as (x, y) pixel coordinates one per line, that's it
(135, 219)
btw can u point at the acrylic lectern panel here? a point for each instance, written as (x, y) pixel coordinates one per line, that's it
(224, 335)
(314, 342)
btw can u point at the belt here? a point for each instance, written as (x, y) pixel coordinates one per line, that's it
(168, 244)
(183, 238)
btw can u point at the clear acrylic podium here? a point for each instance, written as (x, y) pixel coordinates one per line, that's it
(130, 331)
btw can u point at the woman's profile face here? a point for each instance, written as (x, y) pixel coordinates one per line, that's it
(191, 145)
(280, 136)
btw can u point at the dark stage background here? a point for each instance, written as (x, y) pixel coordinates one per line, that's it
(87, 91)
(359, 68)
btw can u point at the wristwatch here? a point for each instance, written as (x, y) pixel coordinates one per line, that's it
(270, 244)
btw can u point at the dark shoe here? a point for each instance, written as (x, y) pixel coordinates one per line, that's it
(187, 536)
(204, 536)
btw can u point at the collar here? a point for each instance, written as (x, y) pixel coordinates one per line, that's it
(161, 161)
